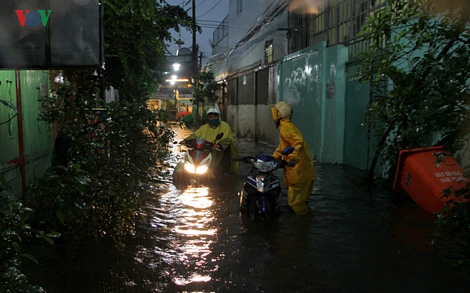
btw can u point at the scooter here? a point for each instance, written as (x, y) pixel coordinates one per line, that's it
(193, 169)
(261, 192)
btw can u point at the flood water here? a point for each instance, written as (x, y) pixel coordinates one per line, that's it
(195, 240)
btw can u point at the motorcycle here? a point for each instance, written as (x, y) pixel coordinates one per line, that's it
(261, 192)
(193, 169)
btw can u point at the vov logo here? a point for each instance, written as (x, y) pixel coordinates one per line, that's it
(33, 17)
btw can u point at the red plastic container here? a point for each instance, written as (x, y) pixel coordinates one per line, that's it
(424, 176)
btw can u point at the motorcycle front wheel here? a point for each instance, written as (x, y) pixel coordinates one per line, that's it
(259, 205)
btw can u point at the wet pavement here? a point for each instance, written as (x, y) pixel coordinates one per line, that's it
(195, 240)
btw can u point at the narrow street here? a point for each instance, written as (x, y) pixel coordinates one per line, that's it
(195, 240)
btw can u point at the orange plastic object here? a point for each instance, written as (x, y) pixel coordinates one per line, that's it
(424, 174)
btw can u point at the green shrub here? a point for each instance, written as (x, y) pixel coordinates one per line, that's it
(15, 230)
(455, 217)
(110, 152)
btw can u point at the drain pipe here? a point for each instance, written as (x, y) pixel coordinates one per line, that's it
(20, 161)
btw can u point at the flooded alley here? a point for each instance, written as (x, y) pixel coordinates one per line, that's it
(196, 240)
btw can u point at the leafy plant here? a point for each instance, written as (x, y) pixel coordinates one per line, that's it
(420, 88)
(455, 217)
(104, 154)
(453, 222)
(205, 87)
(15, 230)
(135, 43)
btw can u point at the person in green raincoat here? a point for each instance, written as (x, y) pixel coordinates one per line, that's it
(299, 172)
(220, 134)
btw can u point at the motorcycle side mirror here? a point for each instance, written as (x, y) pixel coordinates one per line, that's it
(288, 150)
(219, 136)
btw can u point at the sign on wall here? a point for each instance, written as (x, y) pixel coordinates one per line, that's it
(51, 33)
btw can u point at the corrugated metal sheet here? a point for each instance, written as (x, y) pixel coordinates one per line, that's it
(24, 152)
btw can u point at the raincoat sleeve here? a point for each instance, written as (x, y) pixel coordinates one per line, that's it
(198, 133)
(277, 153)
(191, 136)
(292, 138)
(227, 140)
(289, 136)
(234, 166)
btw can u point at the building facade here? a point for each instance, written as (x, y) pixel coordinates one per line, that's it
(304, 53)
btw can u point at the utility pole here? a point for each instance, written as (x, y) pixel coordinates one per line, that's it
(194, 51)
(200, 60)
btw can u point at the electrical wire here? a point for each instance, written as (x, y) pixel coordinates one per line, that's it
(210, 9)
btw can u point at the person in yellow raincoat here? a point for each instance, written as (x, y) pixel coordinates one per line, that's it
(220, 134)
(299, 173)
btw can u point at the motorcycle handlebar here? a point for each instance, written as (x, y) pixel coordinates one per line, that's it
(190, 144)
(244, 159)
(250, 160)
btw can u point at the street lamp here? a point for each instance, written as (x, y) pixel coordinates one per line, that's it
(176, 66)
(174, 78)
(174, 81)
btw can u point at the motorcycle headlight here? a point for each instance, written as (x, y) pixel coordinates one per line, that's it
(201, 169)
(189, 167)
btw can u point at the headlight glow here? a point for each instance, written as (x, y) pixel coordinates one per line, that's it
(201, 169)
(189, 167)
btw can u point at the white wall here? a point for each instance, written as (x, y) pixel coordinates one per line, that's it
(248, 31)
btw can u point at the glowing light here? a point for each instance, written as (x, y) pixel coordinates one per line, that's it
(194, 226)
(196, 197)
(176, 66)
(305, 6)
(185, 222)
(202, 169)
(180, 281)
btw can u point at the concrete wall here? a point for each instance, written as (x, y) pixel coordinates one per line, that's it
(251, 96)
(246, 124)
(302, 85)
(248, 32)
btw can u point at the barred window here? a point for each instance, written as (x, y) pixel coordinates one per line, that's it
(268, 51)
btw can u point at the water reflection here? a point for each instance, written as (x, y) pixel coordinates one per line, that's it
(191, 235)
(194, 240)
(182, 221)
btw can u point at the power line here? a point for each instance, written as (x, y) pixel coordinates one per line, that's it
(207, 20)
(210, 9)
(201, 3)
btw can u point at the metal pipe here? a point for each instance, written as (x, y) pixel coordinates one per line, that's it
(21, 162)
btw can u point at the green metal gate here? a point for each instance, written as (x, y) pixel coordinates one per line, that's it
(25, 140)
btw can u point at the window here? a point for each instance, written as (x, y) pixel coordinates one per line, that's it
(268, 52)
(239, 6)
(337, 21)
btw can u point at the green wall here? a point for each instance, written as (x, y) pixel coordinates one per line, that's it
(312, 81)
(301, 85)
(36, 138)
(358, 150)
